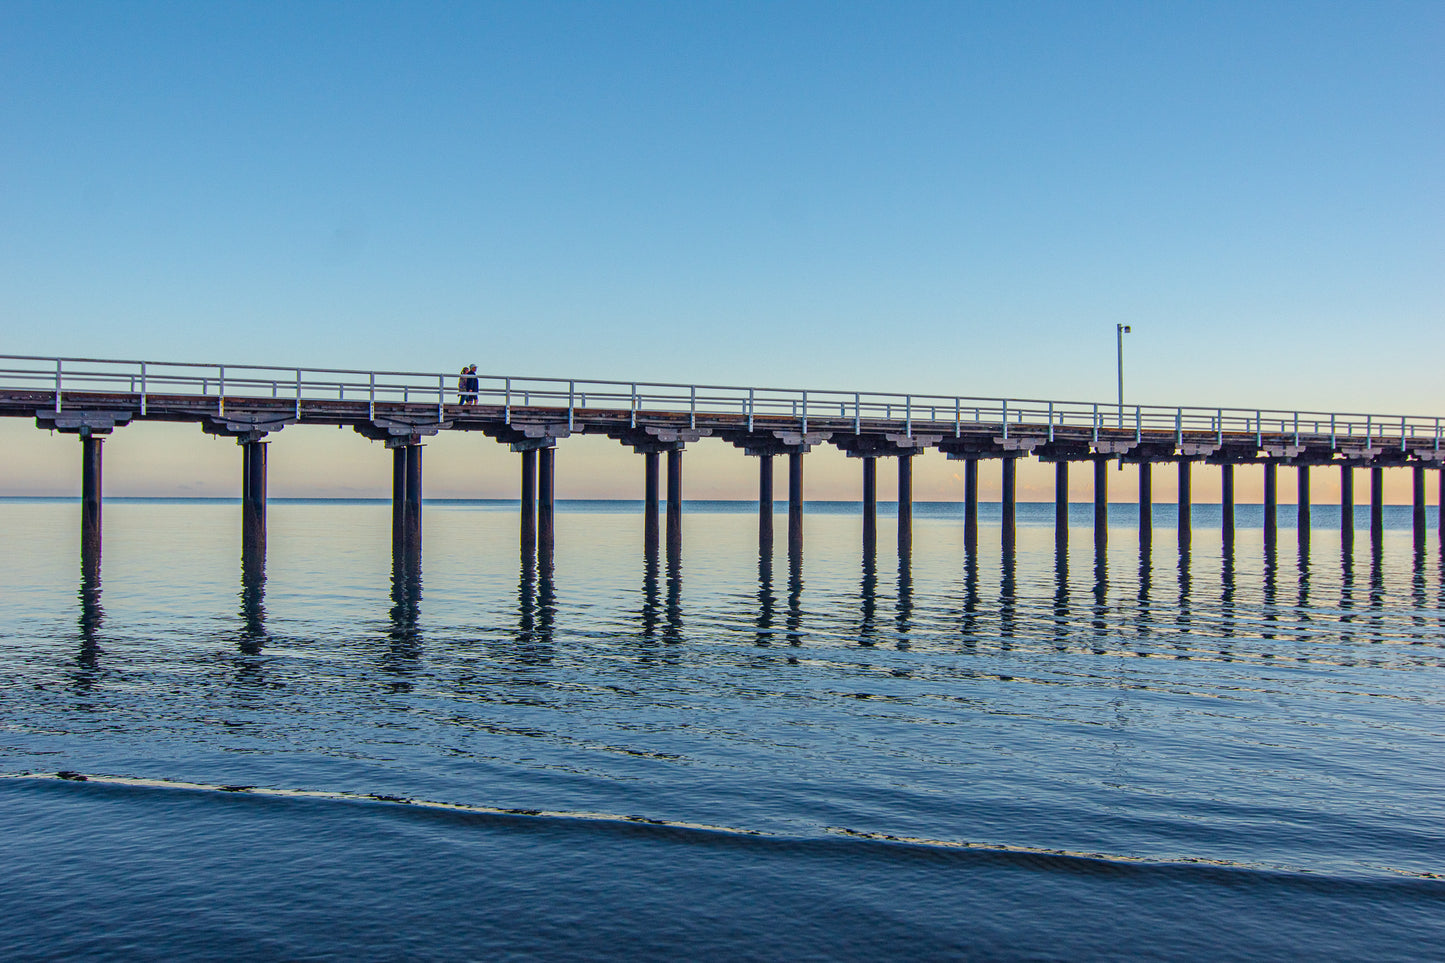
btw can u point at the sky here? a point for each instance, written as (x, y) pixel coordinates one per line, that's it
(961, 198)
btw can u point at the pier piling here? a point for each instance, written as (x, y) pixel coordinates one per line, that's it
(765, 504)
(1226, 504)
(1271, 505)
(905, 503)
(1347, 507)
(1101, 504)
(970, 503)
(1061, 503)
(1185, 501)
(1418, 501)
(1377, 504)
(546, 501)
(1146, 505)
(795, 502)
(1302, 509)
(91, 485)
(1010, 500)
(651, 473)
(870, 505)
(413, 501)
(529, 503)
(253, 500)
(674, 502)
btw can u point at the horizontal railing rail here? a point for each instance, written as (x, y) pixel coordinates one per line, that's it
(60, 378)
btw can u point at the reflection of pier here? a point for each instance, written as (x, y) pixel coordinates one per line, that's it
(92, 398)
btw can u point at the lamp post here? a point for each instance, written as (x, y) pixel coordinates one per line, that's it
(1119, 331)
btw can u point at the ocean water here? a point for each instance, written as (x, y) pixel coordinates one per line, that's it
(990, 755)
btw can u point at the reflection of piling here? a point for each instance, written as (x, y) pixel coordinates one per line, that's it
(91, 485)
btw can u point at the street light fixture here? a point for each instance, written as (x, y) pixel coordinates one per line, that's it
(1119, 331)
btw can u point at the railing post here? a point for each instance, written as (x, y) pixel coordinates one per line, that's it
(143, 389)
(1003, 408)
(632, 414)
(441, 395)
(957, 417)
(691, 407)
(1332, 430)
(1402, 433)
(221, 392)
(298, 394)
(1138, 427)
(1219, 427)
(805, 412)
(1096, 422)
(1178, 427)
(857, 414)
(571, 390)
(371, 398)
(1258, 430)
(507, 403)
(908, 414)
(752, 406)
(58, 379)
(1296, 429)
(1369, 432)
(1051, 421)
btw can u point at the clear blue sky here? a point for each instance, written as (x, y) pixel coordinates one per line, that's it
(954, 197)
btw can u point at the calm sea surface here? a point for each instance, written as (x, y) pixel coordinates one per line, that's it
(1036, 756)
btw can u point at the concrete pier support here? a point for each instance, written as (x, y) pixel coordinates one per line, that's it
(1101, 503)
(1226, 504)
(1347, 507)
(795, 502)
(970, 503)
(546, 501)
(905, 504)
(1417, 488)
(406, 502)
(1010, 500)
(253, 501)
(1271, 505)
(1061, 503)
(1377, 504)
(1186, 506)
(91, 486)
(1302, 509)
(674, 502)
(650, 501)
(870, 506)
(765, 504)
(1146, 504)
(413, 500)
(529, 503)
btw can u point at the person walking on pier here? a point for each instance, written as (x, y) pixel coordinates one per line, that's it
(473, 384)
(463, 382)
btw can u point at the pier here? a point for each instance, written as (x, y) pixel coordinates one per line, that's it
(94, 398)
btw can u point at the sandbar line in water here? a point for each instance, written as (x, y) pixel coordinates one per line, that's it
(1080, 859)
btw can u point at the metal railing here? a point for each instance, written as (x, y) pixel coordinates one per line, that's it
(909, 413)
